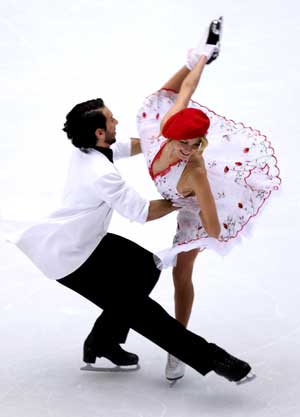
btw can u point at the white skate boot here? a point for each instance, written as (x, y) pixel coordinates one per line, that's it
(175, 369)
(209, 45)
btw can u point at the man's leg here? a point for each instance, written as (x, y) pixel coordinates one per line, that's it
(108, 282)
(138, 277)
(109, 329)
(126, 278)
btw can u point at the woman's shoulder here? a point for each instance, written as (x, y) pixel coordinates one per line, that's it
(196, 163)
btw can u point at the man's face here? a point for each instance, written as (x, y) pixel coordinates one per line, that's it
(111, 123)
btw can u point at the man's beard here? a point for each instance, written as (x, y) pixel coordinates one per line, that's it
(109, 138)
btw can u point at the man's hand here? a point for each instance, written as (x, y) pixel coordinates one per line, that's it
(159, 208)
(189, 203)
(135, 146)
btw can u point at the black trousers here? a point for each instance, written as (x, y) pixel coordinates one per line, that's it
(118, 277)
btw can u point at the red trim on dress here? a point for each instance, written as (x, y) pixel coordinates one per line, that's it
(164, 171)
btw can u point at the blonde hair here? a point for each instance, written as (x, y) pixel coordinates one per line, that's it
(203, 144)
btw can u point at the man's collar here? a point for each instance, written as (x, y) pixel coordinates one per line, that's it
(106, 151)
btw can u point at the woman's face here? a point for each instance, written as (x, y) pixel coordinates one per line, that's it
(185, 148)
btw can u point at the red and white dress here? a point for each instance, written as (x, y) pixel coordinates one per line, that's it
(242, 172)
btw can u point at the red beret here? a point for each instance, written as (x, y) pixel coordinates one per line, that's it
(186, 124)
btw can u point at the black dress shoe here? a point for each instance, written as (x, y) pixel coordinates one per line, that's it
(228, 366)
(113, 352)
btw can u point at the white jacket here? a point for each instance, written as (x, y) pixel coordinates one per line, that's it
(63, 241)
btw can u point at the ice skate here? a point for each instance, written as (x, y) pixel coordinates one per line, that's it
(211, 38)
(230, 367)
(214, 37)
(124, 361)
(175, 369)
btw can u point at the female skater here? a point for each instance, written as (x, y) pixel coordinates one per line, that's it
(219, 196)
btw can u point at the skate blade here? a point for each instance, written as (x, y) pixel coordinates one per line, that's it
(217, 26)
(248, 378)
(215, 30)
(174, 381)
(88, 367)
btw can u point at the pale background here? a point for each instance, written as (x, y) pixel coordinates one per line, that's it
(54, 54)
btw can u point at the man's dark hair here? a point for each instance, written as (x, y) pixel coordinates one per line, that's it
(82, 122)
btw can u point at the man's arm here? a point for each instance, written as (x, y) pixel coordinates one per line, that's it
(125, 149)
(159, 208)
(127, 202)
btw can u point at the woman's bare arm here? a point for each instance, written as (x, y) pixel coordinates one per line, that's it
(199, 183)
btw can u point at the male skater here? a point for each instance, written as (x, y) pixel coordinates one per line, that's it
(72, 246)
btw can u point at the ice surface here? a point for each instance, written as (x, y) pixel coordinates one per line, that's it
(55, 54)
